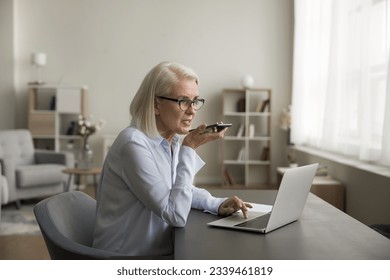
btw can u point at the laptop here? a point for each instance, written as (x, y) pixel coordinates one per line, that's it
(287, 208)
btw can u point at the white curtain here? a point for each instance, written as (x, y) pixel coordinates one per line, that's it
(340, 80)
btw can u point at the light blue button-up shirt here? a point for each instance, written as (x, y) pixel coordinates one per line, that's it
(145, 190)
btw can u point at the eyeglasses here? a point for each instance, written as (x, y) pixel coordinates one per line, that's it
(185, 103)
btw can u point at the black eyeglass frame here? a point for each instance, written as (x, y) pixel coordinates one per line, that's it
(179, 101)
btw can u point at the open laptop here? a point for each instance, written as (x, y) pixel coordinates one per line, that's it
(287, 208)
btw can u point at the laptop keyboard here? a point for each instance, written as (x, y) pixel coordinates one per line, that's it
(259, 222)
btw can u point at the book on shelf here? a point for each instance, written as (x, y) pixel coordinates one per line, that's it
(265, 154)
(262, 105)
(241, 154)
(241, 130)
(229, 180)
(241, 105)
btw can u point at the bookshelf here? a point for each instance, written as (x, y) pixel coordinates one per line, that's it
(246, 147)
(52, 111)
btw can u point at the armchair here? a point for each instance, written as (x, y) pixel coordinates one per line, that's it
(3, 189)
(3, 193)
(30, 173)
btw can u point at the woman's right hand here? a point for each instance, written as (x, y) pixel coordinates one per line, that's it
(198, 137)
(232, 205)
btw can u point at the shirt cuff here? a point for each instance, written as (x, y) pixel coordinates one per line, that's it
(198, 162)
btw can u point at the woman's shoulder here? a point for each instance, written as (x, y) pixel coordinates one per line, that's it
(130, 133)
(133, 135)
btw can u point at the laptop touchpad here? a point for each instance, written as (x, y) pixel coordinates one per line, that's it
(258, 223)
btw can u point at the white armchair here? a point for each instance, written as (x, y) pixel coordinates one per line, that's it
(31, 173)
(3, 190)
(1, 187)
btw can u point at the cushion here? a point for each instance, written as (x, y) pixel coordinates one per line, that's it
(3, 190)
(17, 145)
(39, 174)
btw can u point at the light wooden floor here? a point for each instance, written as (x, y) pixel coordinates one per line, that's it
(23, 247)
(20, 247)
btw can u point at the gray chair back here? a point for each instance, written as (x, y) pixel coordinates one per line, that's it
(17, 145)
(67, 222)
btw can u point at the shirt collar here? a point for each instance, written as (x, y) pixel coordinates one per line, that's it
(159, 140)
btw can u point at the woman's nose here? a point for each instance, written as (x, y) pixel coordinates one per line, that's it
(191, 109)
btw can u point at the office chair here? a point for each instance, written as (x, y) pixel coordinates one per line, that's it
(66, 221)
(383, 229)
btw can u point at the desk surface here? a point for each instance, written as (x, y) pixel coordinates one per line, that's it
(322, 233)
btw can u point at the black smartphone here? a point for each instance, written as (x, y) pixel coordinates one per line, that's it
(218, 126)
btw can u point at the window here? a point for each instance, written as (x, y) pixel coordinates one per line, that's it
(340, 86)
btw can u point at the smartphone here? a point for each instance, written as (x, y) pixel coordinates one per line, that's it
(219, 126)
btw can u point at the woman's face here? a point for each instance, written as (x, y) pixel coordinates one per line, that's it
(170, 119)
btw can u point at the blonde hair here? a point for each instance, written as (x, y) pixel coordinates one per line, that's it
(158, 82)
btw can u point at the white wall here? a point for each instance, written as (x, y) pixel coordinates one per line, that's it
(109, 45)
(7, 96)
(366, 194)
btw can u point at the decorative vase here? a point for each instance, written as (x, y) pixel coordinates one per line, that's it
(85, 160)
(289, 137)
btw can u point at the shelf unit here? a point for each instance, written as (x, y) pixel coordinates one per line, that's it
(52, 109)
(246, 147)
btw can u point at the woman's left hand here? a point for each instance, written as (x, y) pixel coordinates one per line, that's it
(232, 205)
(199, 136)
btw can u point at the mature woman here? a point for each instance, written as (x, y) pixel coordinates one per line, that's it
(146, 187)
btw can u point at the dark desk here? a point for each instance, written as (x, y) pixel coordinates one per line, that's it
(322, 233)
